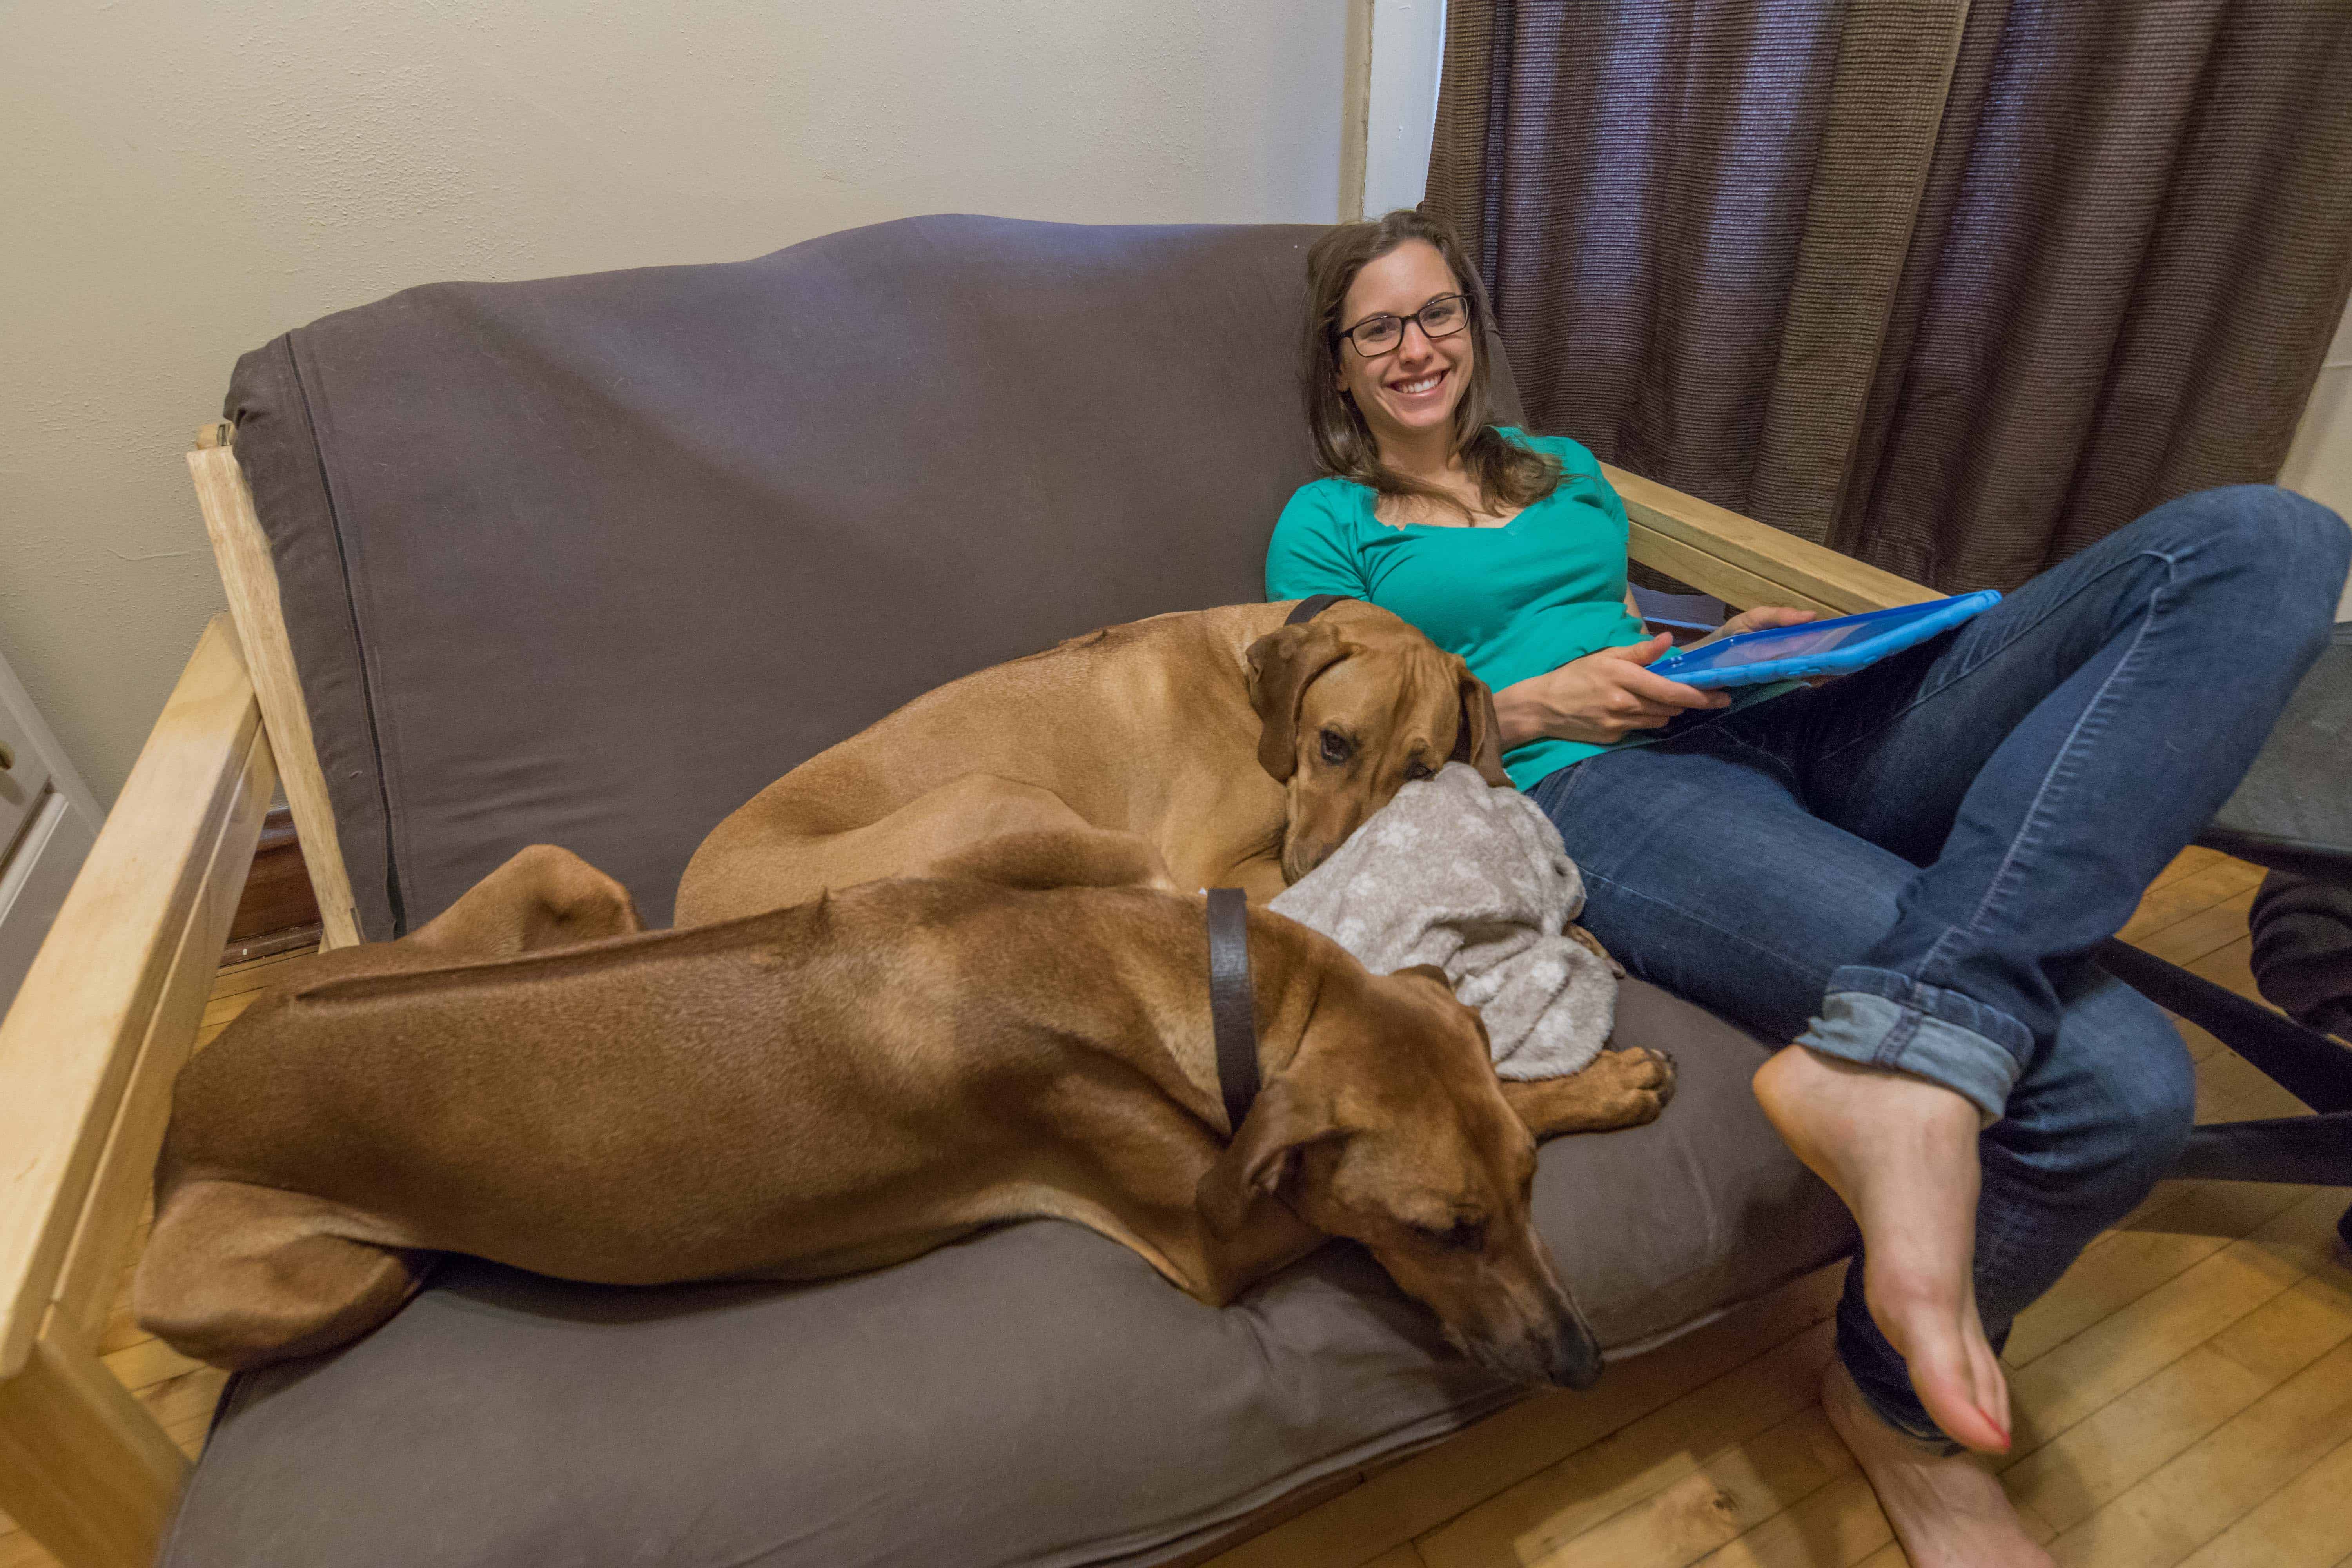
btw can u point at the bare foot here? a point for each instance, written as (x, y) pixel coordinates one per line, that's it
(1948, 1509)
(1902, 1152)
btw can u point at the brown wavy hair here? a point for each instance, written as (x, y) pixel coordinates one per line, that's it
(1507, 474)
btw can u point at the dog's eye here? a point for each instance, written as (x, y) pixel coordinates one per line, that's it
(1336, 748)
(1462, 1235)
(1417, 771)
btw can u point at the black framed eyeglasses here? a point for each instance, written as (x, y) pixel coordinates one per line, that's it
(1441, 318)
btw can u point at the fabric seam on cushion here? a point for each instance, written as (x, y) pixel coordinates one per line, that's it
(367, 661)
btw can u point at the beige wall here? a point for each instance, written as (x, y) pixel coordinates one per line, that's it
(2319, 464)
(184, 181)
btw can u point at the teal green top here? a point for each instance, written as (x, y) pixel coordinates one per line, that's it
(1514, 601)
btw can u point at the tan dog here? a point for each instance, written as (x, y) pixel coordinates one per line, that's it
(1217, 748)
(837, 1086)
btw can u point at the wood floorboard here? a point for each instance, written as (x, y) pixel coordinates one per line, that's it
(2112, 1356)
(2184, 1394)
(1427, 1490)
(2221, 1478)
(2127, 1263)
(2185, 941)
(1638, 1462)
(2075, 1474)
(2167, 904)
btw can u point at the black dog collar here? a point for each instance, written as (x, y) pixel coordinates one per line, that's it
(1232, 1007)
(1308, 608)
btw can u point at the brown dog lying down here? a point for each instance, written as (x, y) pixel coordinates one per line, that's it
(837, 1086)
(1212, 749)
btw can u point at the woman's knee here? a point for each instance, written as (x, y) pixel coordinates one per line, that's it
(2295, 549)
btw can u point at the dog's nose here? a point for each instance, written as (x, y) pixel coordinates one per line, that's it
(1576, 1355)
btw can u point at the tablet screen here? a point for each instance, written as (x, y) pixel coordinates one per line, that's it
(1848, 642)
(1786, 642)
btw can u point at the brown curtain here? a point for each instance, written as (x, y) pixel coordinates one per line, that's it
(1955, 287)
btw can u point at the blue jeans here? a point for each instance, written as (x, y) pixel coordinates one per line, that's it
(1908, 866)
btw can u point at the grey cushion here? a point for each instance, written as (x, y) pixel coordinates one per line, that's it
(1036, 1395)
(590, 560)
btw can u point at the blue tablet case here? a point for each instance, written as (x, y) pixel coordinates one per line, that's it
(1820, 647)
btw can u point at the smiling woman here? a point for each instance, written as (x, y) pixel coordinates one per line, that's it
(1397, 392)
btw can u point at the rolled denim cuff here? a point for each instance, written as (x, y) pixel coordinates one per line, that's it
(1881, 1018)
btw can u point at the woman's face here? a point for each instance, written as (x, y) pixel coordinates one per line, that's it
(1415, 387)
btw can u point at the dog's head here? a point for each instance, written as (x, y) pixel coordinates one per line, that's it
(1353, 705)
(1389, 1127)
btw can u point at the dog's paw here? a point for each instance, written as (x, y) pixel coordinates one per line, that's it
(1592, 944)
(1640, 1081)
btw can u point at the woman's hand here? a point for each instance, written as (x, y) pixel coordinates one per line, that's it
(1601, 698)
(1763, 617)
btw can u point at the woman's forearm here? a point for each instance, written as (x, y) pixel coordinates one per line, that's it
(1521, 713)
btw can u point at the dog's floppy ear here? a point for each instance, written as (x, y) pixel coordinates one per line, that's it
(1262, 1154)
(1281, 666)
(1479, 740)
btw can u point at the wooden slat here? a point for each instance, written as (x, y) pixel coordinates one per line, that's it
(83, 1467)
(222, 1011)
(249, 575)
(1744, 562)
(121, 1330)
(1710, 573)
(258, 974)
(109, 972)
(119, 1189)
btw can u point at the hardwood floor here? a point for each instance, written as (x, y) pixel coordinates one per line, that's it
(2183, 1395)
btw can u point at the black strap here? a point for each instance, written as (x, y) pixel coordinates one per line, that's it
(1233, 1005)
(1309, 608)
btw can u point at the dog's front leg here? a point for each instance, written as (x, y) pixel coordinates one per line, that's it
(1224, 1265)
(1620, 1089)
